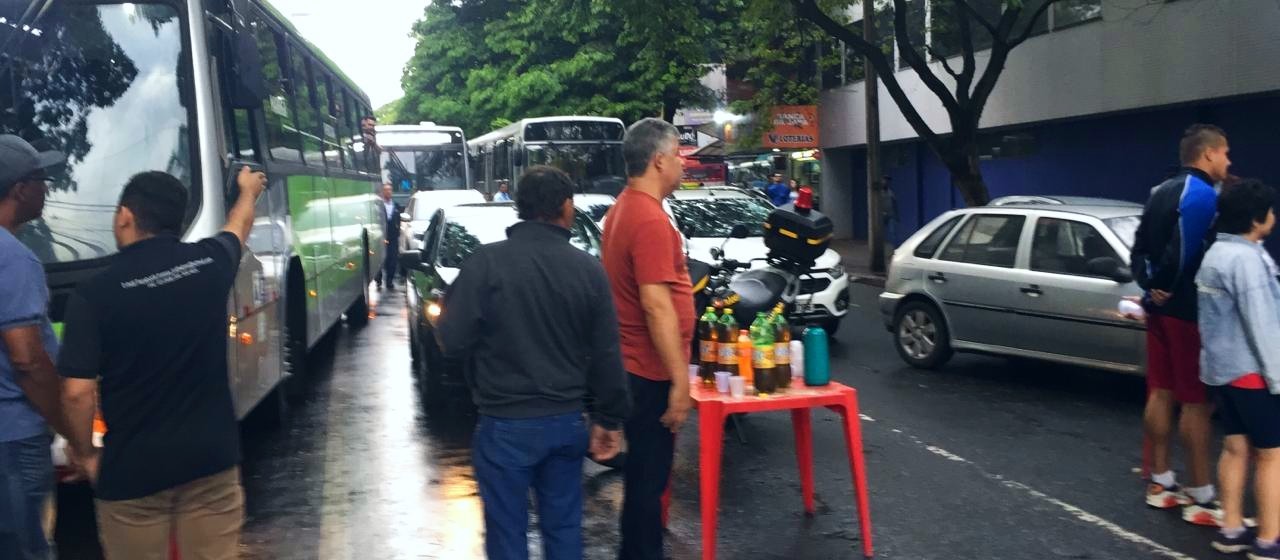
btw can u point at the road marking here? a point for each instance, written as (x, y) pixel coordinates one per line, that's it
(866, 418)
(1075, 511)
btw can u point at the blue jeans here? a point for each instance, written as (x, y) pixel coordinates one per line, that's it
(513, 454)
(26, 482)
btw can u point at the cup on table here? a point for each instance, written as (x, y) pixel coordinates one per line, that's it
(722, 381)
(737, 387)
(693, 375)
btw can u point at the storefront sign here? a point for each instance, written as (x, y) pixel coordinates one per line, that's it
(794, 127)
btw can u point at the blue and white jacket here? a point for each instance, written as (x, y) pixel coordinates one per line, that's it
(1175, 231)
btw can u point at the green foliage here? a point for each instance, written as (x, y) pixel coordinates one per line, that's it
(775, 53)
(390, 113)
(482, 62)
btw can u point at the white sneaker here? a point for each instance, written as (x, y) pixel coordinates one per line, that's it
(1162, 497)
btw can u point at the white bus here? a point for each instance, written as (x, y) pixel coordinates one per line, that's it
(423, 157)
(589, 149)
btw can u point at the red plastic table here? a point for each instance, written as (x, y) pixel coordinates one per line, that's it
(714, 408)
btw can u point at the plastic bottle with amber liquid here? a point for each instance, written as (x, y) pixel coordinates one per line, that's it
(726, 334)
(744, 361)
(781, 348)
(762, 356)
(708, 349)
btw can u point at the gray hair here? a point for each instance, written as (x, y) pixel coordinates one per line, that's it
(645, 139)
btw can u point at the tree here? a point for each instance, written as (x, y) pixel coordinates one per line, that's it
(776, 53)
(974, 25)
(481, 61)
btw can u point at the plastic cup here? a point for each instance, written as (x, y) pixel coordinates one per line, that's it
(737, 387)
(693, 375)
(722, 381)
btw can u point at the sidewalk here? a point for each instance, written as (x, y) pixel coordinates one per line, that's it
(856, 258)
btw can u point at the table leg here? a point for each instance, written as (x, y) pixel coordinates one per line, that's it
(800, 422)
(710, 434)
(853, 444)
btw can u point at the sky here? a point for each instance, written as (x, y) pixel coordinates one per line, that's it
(368, 39)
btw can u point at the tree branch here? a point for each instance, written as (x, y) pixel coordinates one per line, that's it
(914, 60)
(945, 65)
(1031, 25)
(809, 10)
(964, 84)
(978, 17)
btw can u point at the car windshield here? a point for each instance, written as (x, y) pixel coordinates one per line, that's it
(594, 168)
(597, 210)
(465, 233)
(101, 84)
(434, 168)
(1125, 227)
(714, 217)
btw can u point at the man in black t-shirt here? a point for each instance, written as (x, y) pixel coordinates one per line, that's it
(152, 328)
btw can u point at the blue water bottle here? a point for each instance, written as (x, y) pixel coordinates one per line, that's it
(817, 360)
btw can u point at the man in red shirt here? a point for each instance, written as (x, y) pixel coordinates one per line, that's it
(644, 258)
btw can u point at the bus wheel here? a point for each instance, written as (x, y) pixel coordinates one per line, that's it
(295, 334)
(358, 313)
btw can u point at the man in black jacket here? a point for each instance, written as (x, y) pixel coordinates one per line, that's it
(1171, 240)
(533, 318)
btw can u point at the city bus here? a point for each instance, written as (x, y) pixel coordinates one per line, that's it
(197, 88)
(589, 149)
(423, 157)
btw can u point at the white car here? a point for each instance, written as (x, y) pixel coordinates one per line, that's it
(706, 215)
(423, 205)
(594, 205)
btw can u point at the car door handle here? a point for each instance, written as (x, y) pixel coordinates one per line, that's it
(1032, 290)
(938, 277)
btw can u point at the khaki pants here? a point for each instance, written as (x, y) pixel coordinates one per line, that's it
(204, 515)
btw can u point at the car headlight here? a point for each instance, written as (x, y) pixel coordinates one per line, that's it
(433, 310)
(836, 271)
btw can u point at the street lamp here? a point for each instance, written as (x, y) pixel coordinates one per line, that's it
(720, 116)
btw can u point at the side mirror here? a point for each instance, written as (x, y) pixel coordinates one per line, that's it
(405, 217)
(1109, 267)
(716, 253)
(739, 231)
(411, 260)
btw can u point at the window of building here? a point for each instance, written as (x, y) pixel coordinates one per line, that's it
(1066, 247)
(283, 143)
(990, 240)
(1067, 13)
(945, 20)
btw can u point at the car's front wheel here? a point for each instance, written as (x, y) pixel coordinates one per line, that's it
(920, 335)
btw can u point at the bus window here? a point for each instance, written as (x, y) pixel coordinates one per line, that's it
(342, 116)
(282, 135)
(304, 101)
(328, 124)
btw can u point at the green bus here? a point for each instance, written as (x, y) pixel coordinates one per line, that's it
(196, 88)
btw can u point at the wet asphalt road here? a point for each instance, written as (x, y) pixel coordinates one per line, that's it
(988, 458)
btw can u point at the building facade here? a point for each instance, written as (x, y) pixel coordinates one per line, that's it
(1094, 107)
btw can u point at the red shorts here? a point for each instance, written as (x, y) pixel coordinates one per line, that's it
(1173, 358)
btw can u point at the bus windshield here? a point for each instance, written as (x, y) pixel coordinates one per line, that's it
(431, 168)
(594, 168)
(101, 83)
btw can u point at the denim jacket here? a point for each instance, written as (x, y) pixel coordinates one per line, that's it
(1239, 301)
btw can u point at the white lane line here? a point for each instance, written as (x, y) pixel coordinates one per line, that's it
(1075, 511)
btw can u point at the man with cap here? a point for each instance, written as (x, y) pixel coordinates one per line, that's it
(29, 383)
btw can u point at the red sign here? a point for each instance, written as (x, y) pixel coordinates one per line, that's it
(793, 127)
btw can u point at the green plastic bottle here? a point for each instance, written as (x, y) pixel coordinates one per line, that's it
(781, 348)
(762, 355)
(728, 333)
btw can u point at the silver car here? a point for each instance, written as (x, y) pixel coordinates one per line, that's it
(1032, 280)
